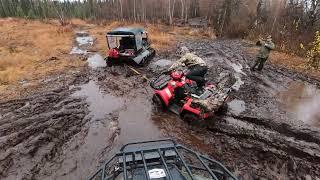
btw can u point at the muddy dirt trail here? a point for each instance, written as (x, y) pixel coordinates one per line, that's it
(271, 129)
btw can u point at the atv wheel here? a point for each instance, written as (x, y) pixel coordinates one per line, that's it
(193, 120)
(153, 53)
(222, 110)
(143, 62)
(158, 103)
(109, 62)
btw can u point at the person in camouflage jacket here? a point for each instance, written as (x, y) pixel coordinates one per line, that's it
(197, 68)
(262, 57)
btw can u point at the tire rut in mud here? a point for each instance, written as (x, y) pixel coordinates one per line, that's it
(34, 128)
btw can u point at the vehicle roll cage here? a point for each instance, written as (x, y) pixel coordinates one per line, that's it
(168, 153)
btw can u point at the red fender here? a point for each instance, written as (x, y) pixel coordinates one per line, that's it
(165, 94)
(187, 107)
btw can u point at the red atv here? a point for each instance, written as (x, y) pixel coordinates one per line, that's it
(178, 94)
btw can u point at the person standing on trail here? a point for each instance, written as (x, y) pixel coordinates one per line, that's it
(266, 47)
(197, 67)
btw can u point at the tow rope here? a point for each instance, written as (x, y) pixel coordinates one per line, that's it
(138, 73)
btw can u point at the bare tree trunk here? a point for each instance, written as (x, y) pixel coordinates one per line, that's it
(314, 8)
(121, 11)
(186, 12)
(134, 10)
(223, 21)
(169, 12)
(143, 11)
(172, 11)
(182, 8)
(274, 22)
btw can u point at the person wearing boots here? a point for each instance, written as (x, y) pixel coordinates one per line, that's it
(262, 57)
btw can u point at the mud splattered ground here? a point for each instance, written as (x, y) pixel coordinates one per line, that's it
(270, 131)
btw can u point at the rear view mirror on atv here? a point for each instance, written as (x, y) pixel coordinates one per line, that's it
(128, 45)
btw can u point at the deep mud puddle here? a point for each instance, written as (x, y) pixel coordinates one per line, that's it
(96, 61)
(236, 106)
(100, 104)
(302, 101)
(83, 41)
(77, 50)
(114, 121)
(82, 154)
(136, 124)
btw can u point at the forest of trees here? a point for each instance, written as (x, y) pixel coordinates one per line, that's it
(290, 22)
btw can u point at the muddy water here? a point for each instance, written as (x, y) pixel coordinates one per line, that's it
(238, 74)
(114, 121)
(135, 123)
(82, 41)
(96, 61)
(302, 101)
(236, 106)
(99, 104)
(81, 155)
(83, 38)
(77, 50)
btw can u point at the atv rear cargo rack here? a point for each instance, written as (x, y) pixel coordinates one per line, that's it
(160, 159)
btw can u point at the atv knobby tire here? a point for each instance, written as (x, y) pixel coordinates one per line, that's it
(193, 120)
(109, 62)
(222, 110)
(158, 104)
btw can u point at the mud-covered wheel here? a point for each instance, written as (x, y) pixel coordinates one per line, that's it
(143, 62)
(153, 52)
(158, 104)
(222, 110)
(109, 62)
(193, 120)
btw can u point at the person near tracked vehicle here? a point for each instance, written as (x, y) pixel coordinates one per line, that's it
(262, 57)
(197, 67)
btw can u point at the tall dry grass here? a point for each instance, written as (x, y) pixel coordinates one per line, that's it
(26, 44)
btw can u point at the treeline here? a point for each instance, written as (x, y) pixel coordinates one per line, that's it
(47, 9)
(291, 22)
(137, 10)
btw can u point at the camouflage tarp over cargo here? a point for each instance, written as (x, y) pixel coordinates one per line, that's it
(225, 79)
(212, 103)
(188, 60)
(218, 96)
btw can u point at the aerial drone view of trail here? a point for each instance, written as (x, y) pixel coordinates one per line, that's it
(64, 114)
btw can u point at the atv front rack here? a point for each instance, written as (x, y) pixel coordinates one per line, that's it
(160, 159)
(160, 81)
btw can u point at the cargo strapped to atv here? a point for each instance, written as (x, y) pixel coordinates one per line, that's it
(160, 159)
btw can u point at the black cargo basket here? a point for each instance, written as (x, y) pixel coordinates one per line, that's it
(160, 82)
(160, 159)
